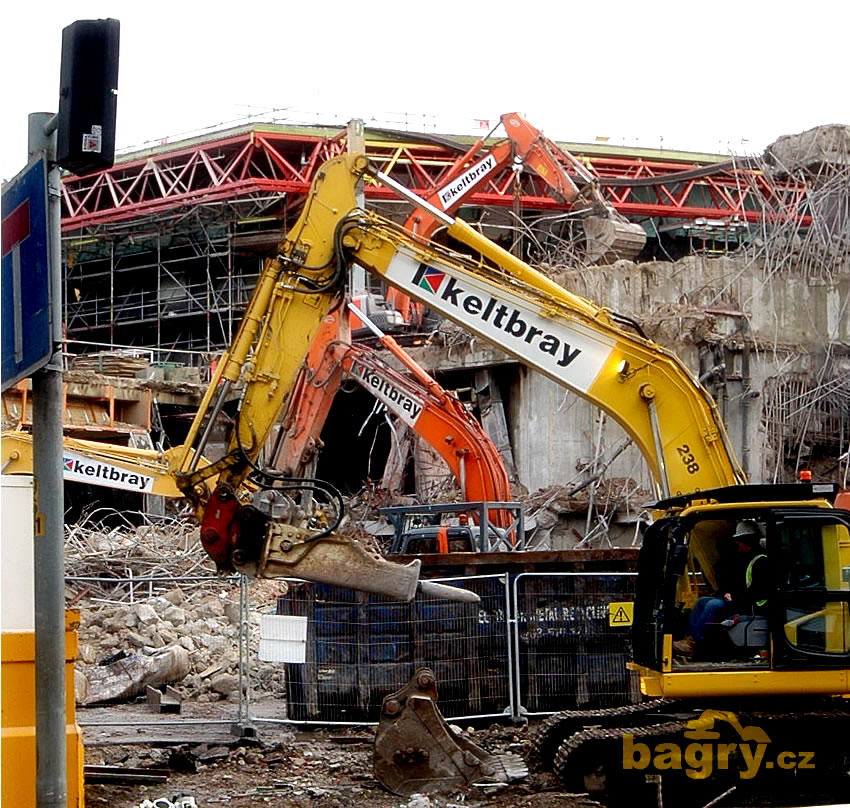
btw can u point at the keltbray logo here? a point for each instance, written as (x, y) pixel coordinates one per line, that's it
(431, 280)
(79, 468)
(406, 406)
(508, 319)
(565, 348)
(705, 749)
(460, 186)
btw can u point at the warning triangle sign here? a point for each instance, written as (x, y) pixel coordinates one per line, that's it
(620, 614)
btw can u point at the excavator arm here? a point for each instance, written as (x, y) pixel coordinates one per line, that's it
(419, 401)
(609, 235)
(671, 418)
(143, 471)
(646, 389)
(248, 515)
(589, 350)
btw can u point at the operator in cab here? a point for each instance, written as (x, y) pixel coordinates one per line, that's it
(742, 579)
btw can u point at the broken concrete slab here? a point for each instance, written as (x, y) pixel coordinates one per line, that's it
(810, 150)
(126, 676)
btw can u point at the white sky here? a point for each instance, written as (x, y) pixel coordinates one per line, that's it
(720, 76)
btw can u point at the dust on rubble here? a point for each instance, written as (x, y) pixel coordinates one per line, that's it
(319, 769)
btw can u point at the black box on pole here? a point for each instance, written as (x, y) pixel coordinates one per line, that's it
(88, 96)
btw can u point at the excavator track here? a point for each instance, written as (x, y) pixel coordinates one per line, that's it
(560, 726)
(592, 760)
(791, 754)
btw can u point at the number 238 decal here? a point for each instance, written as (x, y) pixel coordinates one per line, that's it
(688, 459)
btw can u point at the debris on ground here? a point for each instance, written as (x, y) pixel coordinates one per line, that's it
(320, 769)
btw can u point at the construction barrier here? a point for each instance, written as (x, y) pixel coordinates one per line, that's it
(571, 641)
(360, 648)
(535, 644)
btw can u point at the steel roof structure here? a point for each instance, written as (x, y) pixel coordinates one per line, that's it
(274, 164)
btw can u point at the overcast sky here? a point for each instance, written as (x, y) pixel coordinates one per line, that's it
(720, 76)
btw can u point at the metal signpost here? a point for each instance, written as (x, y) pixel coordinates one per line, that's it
(49, 529)
(80, 138)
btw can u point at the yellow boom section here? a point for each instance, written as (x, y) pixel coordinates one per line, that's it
(144, 471)
(645, 388)
(671, 418)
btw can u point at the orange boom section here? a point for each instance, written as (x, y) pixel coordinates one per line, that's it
(435, 414)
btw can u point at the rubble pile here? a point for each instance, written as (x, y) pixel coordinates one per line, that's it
(551, 511)
(154, 612)
(563, 499)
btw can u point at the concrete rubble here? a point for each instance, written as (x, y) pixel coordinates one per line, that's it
(193, 645)
(808, 151)
(182, 632)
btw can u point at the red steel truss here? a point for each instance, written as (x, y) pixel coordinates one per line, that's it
(273, 161)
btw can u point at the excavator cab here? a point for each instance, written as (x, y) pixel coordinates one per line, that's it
(803, 624)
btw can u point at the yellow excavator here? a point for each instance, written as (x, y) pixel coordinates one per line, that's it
(795, 659)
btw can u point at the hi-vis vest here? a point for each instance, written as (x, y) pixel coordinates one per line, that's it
(750, 575)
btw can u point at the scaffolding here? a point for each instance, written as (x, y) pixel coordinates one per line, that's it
(177, 287)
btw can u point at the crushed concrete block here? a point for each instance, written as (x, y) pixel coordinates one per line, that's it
(232, 612)
(175, 615)
(216, 645)
(224, 683)
(138, 640)
(81, 686)
(169, 637)
(213, 625)
(175, 597)
(210, 607)
(159, 604)
(809, 150)
(146, 614)
(87, 653)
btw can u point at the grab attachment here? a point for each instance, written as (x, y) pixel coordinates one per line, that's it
(417, 751)
(292, 552)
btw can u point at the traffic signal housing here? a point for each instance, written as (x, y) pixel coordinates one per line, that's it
(88, 100)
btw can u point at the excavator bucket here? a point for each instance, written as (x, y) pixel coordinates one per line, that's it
(609, 239)
(417, 751)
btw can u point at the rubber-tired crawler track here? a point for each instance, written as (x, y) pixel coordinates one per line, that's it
(630, 756)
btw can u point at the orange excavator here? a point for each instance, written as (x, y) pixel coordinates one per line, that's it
(609, 236)
(418, 400)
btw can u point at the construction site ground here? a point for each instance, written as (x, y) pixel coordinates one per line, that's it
(282, 765)
(326, 767)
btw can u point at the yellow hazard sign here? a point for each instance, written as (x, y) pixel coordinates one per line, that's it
(621, 615)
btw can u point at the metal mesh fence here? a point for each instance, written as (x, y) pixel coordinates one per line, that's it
(566, 653)
(361, 648)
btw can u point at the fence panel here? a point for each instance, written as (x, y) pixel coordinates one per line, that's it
(566, 655)
(360, 648)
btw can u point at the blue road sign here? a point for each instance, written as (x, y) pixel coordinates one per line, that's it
(25, 292)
